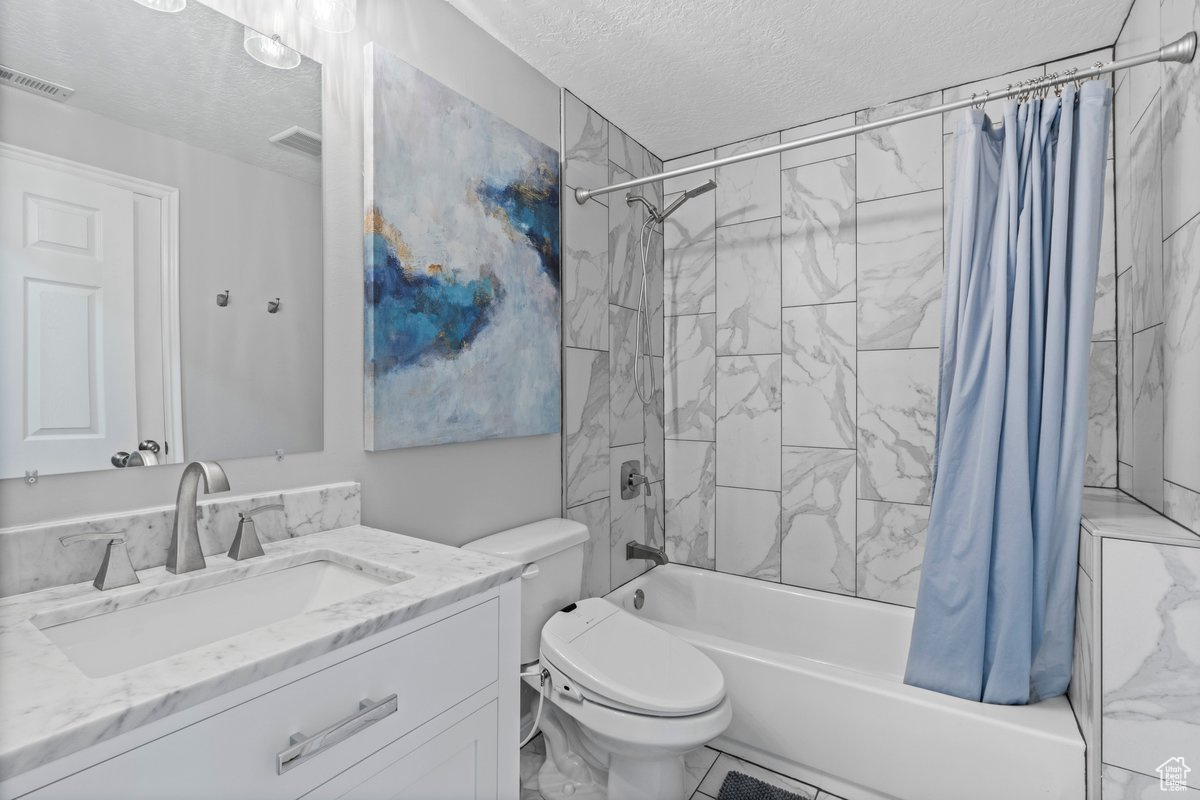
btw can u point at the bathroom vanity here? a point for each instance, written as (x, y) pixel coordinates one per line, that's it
(348, 663)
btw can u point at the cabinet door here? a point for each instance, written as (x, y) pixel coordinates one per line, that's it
(457, 764)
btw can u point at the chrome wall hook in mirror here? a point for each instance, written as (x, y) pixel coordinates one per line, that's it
(223, 298)
(273, 306)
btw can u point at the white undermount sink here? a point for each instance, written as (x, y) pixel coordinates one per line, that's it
(116, 641)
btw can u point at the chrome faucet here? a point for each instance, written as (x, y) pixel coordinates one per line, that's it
(185, 554)
(636, 550)
(116, 570)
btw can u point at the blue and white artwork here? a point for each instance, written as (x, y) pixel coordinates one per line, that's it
(461, 267)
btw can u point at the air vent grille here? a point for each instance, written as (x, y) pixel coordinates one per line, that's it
(299, 139)
(32, 83)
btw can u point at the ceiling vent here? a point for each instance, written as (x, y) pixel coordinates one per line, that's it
(299, 139)
(31, 83)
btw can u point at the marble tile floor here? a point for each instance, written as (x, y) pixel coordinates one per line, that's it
(705, 769)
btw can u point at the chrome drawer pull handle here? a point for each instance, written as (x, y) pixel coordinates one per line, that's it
(305, 747)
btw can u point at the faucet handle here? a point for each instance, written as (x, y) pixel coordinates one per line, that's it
(245, 542)
(113, 537)
(259, 509)
(116, 570)
(631, 478)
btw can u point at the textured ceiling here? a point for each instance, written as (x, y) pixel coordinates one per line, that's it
(182, 75)
(687, 75)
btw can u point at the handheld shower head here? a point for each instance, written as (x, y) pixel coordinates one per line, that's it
(707, 186)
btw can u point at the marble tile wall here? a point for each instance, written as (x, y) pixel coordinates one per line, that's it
(1157, 140)
(803, 312)
(1121, 784)
(31, 557)
(1150, 646)
(604, 421)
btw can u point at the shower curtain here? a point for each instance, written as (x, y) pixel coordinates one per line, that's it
(995, 611)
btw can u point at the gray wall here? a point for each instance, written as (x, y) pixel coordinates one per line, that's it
(451, 493)
(1157, 136)
(605, 423)
(803, 303)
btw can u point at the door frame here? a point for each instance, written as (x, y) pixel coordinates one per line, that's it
(168, 197)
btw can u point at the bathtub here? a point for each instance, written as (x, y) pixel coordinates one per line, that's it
(815, 680)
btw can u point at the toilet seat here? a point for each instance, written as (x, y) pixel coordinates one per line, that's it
(621, 662)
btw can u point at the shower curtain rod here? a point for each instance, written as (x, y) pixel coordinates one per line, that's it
(1181, 50)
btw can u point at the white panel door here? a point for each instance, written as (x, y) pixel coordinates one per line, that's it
(67, 370)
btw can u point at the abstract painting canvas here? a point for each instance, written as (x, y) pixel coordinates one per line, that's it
(461, 267)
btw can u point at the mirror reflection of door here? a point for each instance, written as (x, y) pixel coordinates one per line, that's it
(150, 164)
(86, 370)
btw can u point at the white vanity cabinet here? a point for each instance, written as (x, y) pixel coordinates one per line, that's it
(425, 710)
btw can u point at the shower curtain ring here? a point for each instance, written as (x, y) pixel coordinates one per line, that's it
(1057, 86)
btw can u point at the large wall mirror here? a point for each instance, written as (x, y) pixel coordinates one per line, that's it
(160, 239)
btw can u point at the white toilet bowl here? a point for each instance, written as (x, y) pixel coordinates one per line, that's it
(625, 699)
(625, 702)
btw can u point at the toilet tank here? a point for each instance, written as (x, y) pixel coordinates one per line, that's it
(552, 552)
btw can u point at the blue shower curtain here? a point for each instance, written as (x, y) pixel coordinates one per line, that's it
(995, 612)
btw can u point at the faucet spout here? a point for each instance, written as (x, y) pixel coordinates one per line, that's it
(636, 550)
(185, 553)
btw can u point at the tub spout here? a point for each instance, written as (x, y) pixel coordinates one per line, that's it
(636, 550)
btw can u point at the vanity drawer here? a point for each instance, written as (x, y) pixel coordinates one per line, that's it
(236, 753)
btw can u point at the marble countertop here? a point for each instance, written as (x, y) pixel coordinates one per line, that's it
(1116, 515)
(49, 708)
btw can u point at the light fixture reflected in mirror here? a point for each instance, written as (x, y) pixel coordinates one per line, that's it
(170, 6)
(334, 16)
(270, 50)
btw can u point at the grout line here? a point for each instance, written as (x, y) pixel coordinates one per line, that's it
(783, 169)
(707, 771)
(749, 221)
(607, 496)
(588, 349)
(747, 488)
(860, 202)
(895, 349)
(857, 365)
(904, 502)
(822, 447)
(716, 381)
(1142, 116)
(1185, 223)
(782, 369)
(830, 303)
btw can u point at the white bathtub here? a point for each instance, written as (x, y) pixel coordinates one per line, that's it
(815, 680)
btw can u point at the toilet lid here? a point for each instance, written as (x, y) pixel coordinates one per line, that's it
(627, 661)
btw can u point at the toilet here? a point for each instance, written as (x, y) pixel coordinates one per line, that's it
(624, 700)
